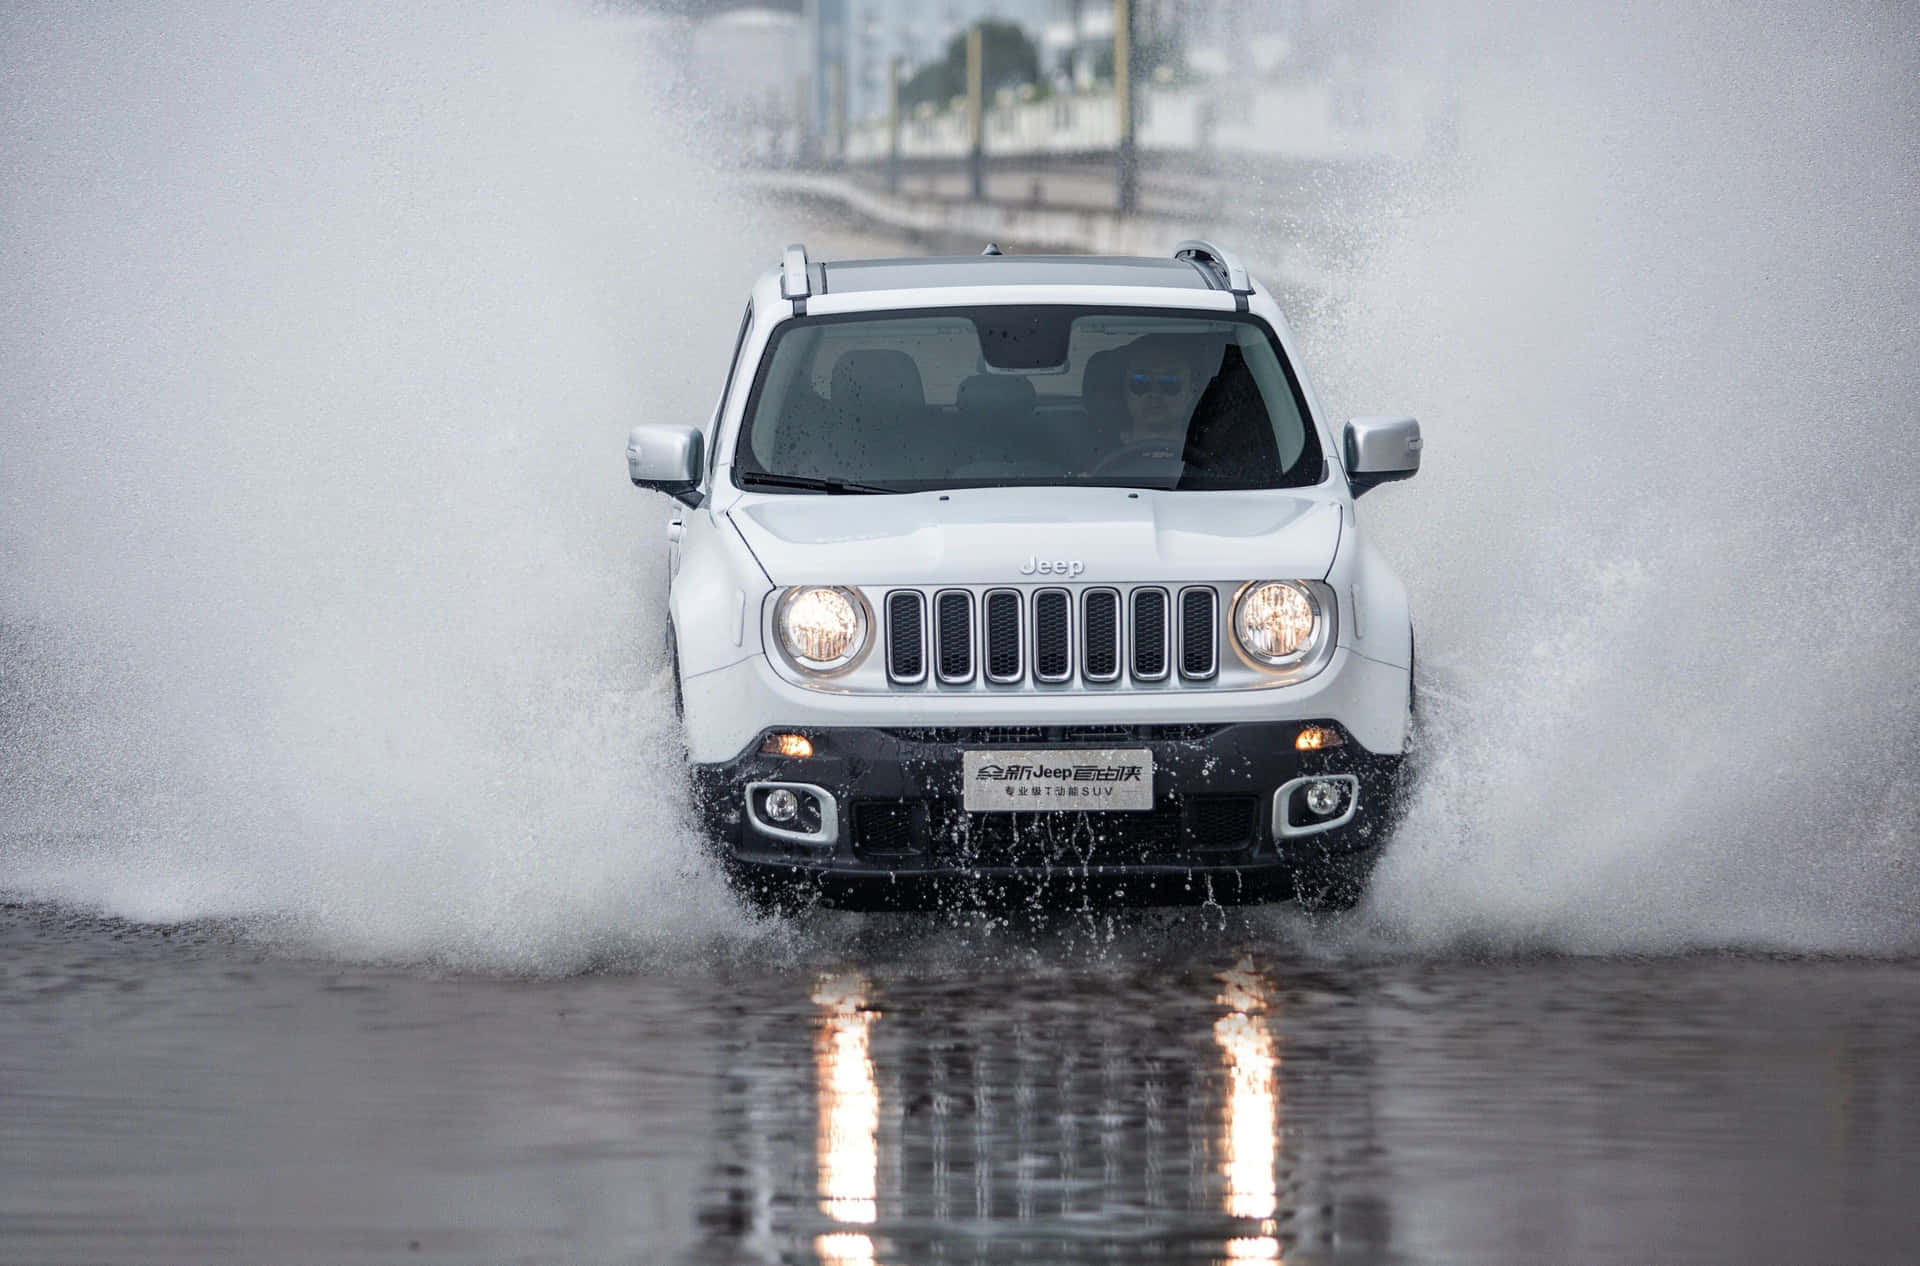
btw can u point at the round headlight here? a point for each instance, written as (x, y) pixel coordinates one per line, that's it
(1275, 621)
(821, 629)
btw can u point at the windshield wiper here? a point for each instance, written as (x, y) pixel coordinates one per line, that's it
(759, 478)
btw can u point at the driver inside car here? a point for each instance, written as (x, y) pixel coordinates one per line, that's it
(1159, 385)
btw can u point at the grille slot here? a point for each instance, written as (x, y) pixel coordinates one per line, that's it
(1222, 822)
(886, 827)
(953, 617)
(1052, 635)
(906, 637)
(1196, 633)
(1100, 629)
(1003, 636)
(1150, 626)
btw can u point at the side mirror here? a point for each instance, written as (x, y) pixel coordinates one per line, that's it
(1381, 450)
(667, 458)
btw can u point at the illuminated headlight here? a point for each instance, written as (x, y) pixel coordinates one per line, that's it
(1276, 622)
(821, 629)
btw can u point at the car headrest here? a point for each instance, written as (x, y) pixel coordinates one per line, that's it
(1000, 395)
(1100, 385)
(881, 378)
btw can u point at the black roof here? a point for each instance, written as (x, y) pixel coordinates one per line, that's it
(853, 275)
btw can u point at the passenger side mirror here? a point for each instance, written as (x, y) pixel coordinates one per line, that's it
(667, 458)
(1380, 450)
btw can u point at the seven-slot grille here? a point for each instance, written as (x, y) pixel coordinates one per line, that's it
(1146, 634)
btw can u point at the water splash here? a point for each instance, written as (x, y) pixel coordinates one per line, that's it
(322, 601)
(1657, 308)
(325, 600)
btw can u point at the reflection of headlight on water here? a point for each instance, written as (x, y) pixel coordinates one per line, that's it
(844, 1248)
(847, 1140)
(1251, 1128)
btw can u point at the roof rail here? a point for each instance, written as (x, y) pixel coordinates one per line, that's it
(1224, 262)
(794, 283)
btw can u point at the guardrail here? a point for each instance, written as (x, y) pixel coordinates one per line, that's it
(1318, 121)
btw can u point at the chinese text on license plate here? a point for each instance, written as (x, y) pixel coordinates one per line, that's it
(1024, 781)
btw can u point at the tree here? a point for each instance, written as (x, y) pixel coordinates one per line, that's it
(1008, 59)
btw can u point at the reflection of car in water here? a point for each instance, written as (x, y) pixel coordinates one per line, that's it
(1000, 567)
(937, 1133)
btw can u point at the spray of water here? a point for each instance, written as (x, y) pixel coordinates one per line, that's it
(1657, 305)
(325, 599)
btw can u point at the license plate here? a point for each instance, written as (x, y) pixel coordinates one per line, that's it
(1052, 779)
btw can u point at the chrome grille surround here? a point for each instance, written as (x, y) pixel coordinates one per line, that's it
(1052, 636)
(906, 627)
(1150, 619)
(1005, 613)
(956, 650)
(953, 636)
(1199, 632)
(1100, 639)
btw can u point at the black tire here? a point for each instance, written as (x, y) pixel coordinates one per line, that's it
(673, 667)
(1409, 770)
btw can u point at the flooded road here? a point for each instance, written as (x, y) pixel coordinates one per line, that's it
(1206, 1088)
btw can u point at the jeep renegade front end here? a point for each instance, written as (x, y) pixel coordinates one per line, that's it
(1008, 568)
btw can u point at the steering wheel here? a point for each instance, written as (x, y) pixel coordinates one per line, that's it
(1160, 448)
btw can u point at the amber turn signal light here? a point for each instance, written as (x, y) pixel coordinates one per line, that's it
(1318, 738)
(798, 745)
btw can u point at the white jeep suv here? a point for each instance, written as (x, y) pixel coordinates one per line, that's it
(1006, 568)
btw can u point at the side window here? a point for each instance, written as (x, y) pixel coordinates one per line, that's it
(726, 389)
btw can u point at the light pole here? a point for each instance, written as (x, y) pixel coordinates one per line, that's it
(976, 115)
(1125, 173)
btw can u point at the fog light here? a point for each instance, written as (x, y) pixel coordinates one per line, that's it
(1322, 798)
(1318, 738)
(784, 806)
(798, 745)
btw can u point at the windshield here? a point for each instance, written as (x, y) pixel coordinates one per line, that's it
(1055, 394)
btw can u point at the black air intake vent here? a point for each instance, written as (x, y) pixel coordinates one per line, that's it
(1196, 633)
(1052, 635)
(1003, 635)
(1101, 620)
(1149, 634)
(953, 620)
(906, 660)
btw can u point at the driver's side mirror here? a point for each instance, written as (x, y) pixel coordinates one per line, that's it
(668, 458)
(1380, 450)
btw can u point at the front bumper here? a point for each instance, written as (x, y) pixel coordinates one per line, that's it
(895, 823)
(727, 707)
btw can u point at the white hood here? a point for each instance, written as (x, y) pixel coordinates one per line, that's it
(997, 535)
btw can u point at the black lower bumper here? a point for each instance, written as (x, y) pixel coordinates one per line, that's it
(899, 829)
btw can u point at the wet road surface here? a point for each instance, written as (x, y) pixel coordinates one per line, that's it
(1207, 1088)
